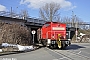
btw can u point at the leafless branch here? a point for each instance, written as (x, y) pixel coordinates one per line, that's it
(50, 11)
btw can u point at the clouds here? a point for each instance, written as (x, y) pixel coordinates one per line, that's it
(2, 8)
(39, 3)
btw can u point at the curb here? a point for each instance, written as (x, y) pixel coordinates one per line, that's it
(7, 53)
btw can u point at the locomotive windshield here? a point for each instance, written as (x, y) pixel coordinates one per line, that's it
(46, 25)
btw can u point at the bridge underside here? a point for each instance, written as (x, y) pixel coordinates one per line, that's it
(31, 28)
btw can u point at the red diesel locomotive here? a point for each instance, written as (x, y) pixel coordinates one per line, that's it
(55, 34)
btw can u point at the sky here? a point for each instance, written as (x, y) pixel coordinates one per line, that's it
(81, 8)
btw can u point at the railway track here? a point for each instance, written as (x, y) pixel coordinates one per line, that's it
(70, 55)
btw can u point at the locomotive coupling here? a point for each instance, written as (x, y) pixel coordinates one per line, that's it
(59, 41)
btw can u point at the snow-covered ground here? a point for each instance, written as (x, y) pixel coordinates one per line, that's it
(20, 47)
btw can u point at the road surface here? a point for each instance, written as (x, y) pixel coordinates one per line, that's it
(76, 51)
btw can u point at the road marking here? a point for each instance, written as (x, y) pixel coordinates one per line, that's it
(79, 52)
(63, 58)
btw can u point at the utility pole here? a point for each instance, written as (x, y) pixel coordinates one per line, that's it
(11, 11)
(76, 27)
(73, 19)
(16, 9)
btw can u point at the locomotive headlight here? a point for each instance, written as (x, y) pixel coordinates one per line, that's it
(53, 37)
(48, 41)
(64, 37)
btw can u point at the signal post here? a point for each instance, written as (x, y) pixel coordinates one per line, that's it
(33, 32)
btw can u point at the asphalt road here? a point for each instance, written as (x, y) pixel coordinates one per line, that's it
(76, 51)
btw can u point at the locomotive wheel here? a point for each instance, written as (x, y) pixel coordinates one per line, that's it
(53, 46)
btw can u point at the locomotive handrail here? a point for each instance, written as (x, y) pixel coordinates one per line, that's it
(54, 33)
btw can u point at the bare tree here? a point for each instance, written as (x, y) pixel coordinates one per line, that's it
(73, 21)
(65, 20)
(49, 12)
(76, 21)
(24, 13)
